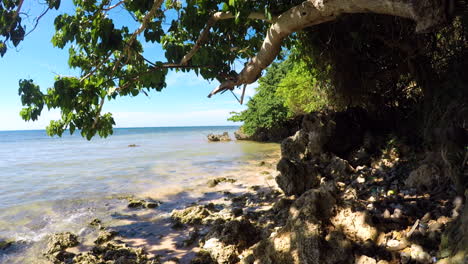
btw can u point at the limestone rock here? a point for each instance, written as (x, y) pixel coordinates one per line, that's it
(105, 236)
(365, 260)
(216, 181)
(296, 177)
(191, 215)
(355, 225)
(61, 241)
(338, 168)
(222, 137)
(300, 241)
(223, 254)
(241, 233)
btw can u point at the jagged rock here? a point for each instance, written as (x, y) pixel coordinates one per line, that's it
(61, 241)
(214, 182)
(105, 236)
(221, 253)
(114, 253)
(136, 203)
(241, 233)
(191, 215)
(321, 133)
(294, 147)
(424, 178)
(338, 169)
(202, 257)
(95, 222)
(356, 225)
(296, 177)
(62, 257)
(226, 240)
(222, 137)
(300, 241)
(365, 260)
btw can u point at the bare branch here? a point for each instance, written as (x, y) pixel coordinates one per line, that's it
(37, 21)
(211, 22)
(114, 6)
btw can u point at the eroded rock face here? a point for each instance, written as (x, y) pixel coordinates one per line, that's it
(322, 133)
(301, 241)
(296, 177)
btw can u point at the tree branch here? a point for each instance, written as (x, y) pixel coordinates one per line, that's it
(211, 22)
(114, 6)
(427, 14)
(18, 10)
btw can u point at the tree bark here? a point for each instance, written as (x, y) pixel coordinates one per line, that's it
(426, 13)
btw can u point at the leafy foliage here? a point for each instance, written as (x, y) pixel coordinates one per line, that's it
(373, 61)
(288, 89)
(265, 108)
(111, 58)
(301, 91)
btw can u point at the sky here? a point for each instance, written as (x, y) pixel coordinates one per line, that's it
(183, 102)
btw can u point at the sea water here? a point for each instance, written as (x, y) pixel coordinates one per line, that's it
(56, 184)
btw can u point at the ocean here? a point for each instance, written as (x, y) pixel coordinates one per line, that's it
(56, 184)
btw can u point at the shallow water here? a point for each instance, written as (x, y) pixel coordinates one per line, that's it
(50, 185)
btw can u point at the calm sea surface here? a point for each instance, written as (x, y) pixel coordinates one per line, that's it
(52, 184)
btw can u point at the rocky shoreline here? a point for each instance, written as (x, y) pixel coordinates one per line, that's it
(343, 193)
(231, 205)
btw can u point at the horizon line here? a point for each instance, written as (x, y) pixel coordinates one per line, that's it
(13, 130)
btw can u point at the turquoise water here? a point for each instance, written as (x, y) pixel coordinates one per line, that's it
(51, 184)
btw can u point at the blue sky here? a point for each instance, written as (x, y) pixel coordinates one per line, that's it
(182, 103)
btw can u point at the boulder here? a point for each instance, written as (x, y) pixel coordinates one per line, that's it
(61, 241)
(222, 137)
